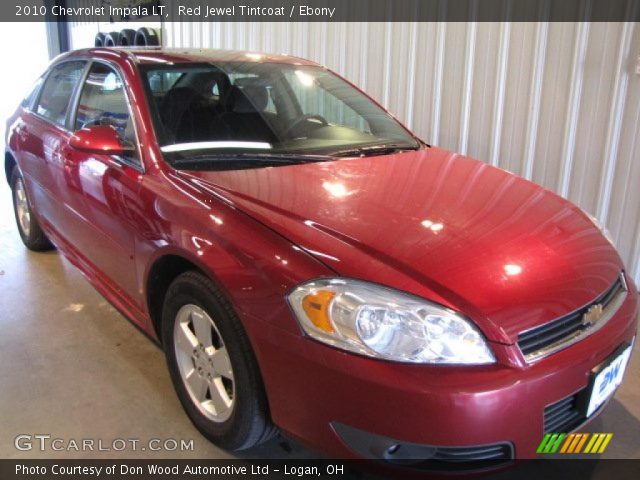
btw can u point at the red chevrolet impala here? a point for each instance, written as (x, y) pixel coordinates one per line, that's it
(309, 264)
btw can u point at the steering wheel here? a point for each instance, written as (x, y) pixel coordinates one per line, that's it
(306, 116)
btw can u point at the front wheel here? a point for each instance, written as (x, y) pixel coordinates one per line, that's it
(28, 227)
(212, 365)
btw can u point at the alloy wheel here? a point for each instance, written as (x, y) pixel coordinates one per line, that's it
(204, 363)
(22, 207)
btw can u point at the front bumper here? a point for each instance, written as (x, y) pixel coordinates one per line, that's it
(311, 387)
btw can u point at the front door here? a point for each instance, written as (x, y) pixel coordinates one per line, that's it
(108, 185)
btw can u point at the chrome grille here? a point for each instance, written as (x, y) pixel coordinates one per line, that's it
(551, 337)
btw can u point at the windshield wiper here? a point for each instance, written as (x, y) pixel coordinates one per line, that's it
(247, 159)
(371, 150)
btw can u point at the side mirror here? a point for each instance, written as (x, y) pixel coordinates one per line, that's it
(99, 139)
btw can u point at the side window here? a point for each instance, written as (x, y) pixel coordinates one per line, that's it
(27, 102)
(103, 101)
(57, 91)
(163, 81)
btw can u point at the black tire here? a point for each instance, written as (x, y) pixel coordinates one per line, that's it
(127, 37)
(249, 423)
(146, 37)
(35, 239)
(99, 40)
(111, 39)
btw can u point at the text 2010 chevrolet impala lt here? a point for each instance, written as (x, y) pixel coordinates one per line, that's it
(308, 263)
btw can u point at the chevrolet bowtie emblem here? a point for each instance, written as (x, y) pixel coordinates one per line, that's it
(593, 315)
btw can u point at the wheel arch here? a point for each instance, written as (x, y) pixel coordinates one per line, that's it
(162, 272)
(9, 163)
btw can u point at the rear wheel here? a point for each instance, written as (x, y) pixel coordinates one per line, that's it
(30, 232)
(212, 365)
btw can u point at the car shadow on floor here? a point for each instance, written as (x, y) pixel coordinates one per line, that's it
(618, 420)
(145, 357)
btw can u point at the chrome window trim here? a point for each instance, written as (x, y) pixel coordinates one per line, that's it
(611, 309)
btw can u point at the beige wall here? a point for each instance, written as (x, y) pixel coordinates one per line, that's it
(558, 103)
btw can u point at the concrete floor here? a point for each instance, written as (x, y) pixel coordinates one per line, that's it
(71, 366)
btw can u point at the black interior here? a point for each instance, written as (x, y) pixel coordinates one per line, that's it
(264, 104)
(237, 113)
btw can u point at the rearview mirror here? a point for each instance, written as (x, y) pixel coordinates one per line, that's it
(99, 139)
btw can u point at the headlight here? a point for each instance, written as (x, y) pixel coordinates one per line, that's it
(380, 322)
(605, 232)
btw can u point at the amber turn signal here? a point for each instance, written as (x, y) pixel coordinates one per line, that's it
(316, 306)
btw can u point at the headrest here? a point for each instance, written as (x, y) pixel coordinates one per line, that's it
(250, 99)
(178, 98)
(175, 103)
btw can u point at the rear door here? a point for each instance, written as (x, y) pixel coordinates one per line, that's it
(43, 134)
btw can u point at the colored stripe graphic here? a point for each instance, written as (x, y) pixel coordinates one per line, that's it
(599, 443)
(576, 439)
(567, 443)
(605, 442)
(547, 448)
(574, 442)
(581, 443)
(594, 437)
(596, 445)
(555, 442)
(543, 443)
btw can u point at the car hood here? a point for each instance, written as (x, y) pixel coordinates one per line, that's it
(504, 251)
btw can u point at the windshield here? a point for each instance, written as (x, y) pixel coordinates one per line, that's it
(265, 109)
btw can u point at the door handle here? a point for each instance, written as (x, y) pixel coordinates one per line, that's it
(22, 132)
(115, 163)
(67, 158)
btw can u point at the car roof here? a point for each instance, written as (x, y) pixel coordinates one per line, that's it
(155, 55)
